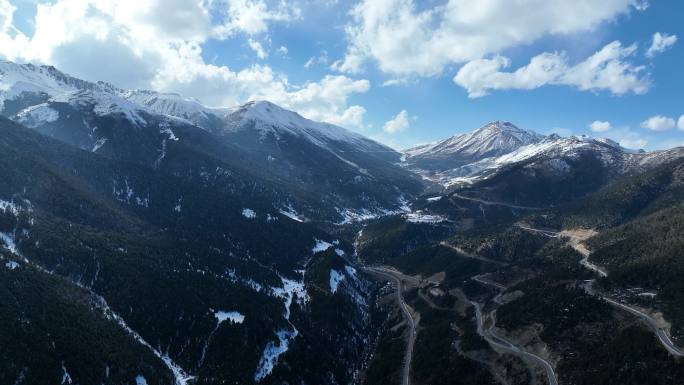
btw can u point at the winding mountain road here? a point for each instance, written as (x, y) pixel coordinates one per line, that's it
(577, 238)
(493, 203)
(398, 278)
(501, 343)
(470, 255)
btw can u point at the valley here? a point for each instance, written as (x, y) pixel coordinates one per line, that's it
(148, 239)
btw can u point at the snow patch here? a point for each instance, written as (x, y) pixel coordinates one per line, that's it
(233, 316)
(248, 213)
(335, 278)
(291, 290)
(140, 380)
(291, 213)
(273, 350)
(9, 206)
(321, 246)
(66, 377)
(11, 265)
(165, 128)
(434, 199)
(339, 252)
(8, 241)
(37, 115)
(350, 270)
(100, 142)
(420, 217)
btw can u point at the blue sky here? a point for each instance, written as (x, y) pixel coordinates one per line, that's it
(455, 63)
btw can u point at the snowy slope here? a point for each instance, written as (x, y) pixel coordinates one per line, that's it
(552, 152)
(178, 106)
(319, 162)
(269, 118)
(494, 139)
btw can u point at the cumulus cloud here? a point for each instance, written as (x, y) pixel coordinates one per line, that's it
(399, 123)
(6, 14)
(661, 43)
(158, 44)
(257, 48)
(658, 123)
(605, 70)
(251, 16)
(407, 38)
(600, 126)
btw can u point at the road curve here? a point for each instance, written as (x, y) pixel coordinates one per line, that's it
(503, 344)
(651, 323)
(645, 318)
(408, 355)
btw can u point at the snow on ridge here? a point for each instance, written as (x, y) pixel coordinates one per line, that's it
(172, 104)
(495, 137)
(233, 317)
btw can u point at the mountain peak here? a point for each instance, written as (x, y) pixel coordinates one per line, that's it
(499, 125)
(493, 139)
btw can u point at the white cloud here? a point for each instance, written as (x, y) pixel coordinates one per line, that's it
(252, 16)
(282, 50)
(395, 82)
(600, 126)
(257, 48)
(6, 15)
(680, 123)
(606, 70)
(658, 123)
(629, 138)
(405, 37)
(158, 44)
(320, 59)
(661, 43)
(399, 123)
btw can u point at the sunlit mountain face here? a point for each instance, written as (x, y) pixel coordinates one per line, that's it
(295, 192)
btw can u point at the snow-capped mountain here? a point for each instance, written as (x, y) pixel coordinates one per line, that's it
(493, 139)
(469, 158)
(340, 174)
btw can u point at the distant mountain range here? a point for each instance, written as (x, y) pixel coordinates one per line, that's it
(500, 147)
(328, 173)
